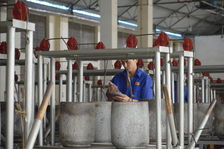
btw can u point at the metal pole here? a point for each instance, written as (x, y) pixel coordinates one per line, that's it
(44, 89)
(40, 94)
(41, 112)
(60, 87)
(81, 81)
(211, 95)
(28, 81)
(172, 85)
(206, 90)
(202, 125)
(214, 94)
(158, 101)
(69, 81)
(167, 79)
(10, 88)
(190, 98)
(170, 118)
(53, 102)
(75, 89)
(90, 92)
(84, 91)
(203, 90)
(181, 100)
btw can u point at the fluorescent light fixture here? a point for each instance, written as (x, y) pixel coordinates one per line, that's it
(49, 4)
(86, 13)
(81, 12)
(94, 15)
(127, 23)
(170, 33)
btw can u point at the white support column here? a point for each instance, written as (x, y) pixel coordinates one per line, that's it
(190, 98)
(29, 82)
(158, 101)
(108, 23)
(10, 89)
(145, 22)
(108, 27)
(52, 102)
(181, 100)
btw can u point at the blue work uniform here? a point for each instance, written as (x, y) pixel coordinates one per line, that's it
(141, 84)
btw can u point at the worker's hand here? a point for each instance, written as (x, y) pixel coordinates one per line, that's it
(122, 98)
(113, 88)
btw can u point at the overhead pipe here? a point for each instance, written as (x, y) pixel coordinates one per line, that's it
(202, 125)
(40, 114)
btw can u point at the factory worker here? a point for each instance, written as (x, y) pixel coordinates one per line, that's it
(132, 84)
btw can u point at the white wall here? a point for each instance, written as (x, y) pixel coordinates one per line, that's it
(210, 51)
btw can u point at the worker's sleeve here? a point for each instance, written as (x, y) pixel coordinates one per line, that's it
(147, 91)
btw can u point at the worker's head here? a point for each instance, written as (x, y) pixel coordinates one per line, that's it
(130, 64)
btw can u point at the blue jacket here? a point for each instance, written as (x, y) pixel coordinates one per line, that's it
(141, 84)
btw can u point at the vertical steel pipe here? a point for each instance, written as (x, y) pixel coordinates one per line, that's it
(168, 84)
(172, 88)
(81, 81)
(158, 100)
(52, 120)
(10, 88)
(207, 90)
(181, 100)
(84, 91)
(75, 89)
(214, 94)
(44, 89)
(90, 92)
(190, 98)
(69, 81)
(203, 90)
(60, 87)
(40, 94)
(28, 81)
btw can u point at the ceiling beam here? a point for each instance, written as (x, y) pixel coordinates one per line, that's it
(186, 15)
(127, 9)
(183, 13)
(175, 11)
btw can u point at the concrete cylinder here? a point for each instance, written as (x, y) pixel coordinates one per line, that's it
(199, 111)
(152, 117)
(219, 120)
(130, 124)
(103, 122)
(77, 124)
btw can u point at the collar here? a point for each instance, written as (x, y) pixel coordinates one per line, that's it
(137, 73)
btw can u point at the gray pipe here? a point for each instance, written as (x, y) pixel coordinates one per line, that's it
(69, 82)
(158, 101)
(52, 120)
(28, 82)
(81, 81)
(181, 100)
(10, 88)
(40, 94)
(190, 98)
